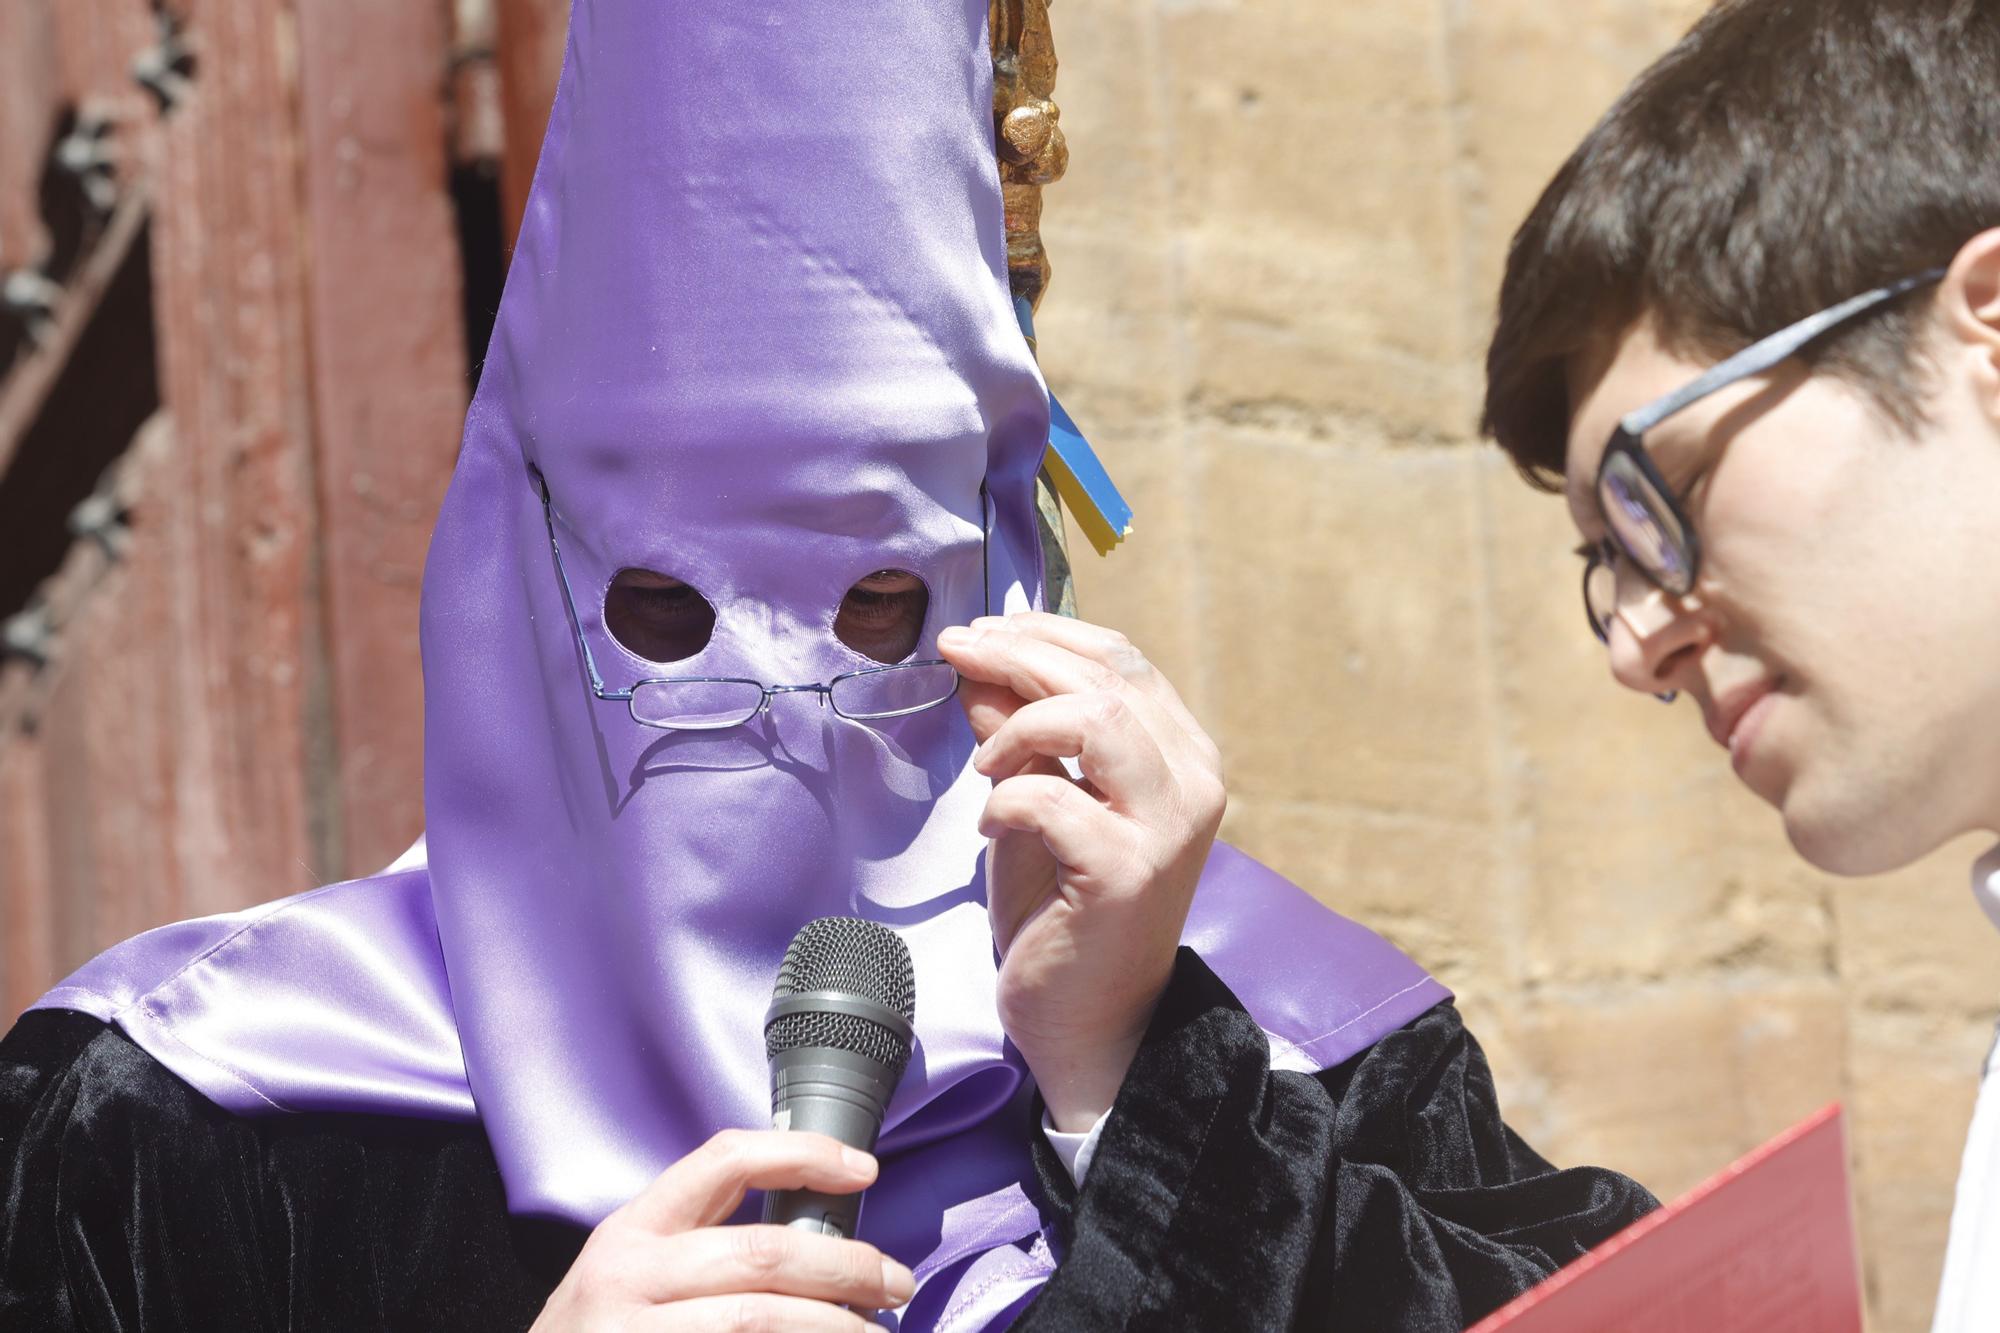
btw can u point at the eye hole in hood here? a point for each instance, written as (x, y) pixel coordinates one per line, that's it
(882, 615)
(657, 616)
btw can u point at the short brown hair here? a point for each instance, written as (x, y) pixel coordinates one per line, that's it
(1784, 156)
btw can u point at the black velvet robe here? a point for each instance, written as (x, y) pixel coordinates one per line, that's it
(1382, 1195)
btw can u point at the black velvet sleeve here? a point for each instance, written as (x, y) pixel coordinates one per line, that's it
(1386, 1194)
(128, 1202)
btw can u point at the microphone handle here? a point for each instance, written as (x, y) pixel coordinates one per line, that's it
(808, 1210)
(833, 1092)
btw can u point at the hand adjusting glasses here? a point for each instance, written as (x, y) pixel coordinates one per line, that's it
(1648, 525)
(715, 703)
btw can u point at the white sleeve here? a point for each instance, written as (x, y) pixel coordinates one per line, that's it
(1075, 1150)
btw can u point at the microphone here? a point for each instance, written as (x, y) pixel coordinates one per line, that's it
(837, 1036)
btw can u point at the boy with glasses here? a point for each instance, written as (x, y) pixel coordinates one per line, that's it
(1751, 332)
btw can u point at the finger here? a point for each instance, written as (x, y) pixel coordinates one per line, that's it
(1116, 752)
(1032, 668)
(987, 706)
(754, 1313)
(1036, 669)
(1107, 647)
(716, 1261)
(1074, 826)
(706, 1186)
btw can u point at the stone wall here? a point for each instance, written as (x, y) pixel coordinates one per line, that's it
(1275, 258)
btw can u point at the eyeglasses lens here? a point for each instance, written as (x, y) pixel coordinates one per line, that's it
(1642, 523)
(893, 691)
(696, 705)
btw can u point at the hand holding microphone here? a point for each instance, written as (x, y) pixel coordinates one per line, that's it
(1088, 879)
(838, 1038)
(667, 1260)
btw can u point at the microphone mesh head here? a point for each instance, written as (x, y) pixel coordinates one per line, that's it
(845, 953)
(840, 953)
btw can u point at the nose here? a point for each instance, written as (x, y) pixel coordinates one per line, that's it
(1655, 637)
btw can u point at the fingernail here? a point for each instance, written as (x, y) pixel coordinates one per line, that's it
(954, 636)
(857, 1161)
(899, 1282)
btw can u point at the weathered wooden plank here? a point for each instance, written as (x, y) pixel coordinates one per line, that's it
(119, 643)
(86, 867)
(27, 933)
(95, 45)
(230, 301)
(28, 107)
(72, 847)
(388, 368)
(97, 821)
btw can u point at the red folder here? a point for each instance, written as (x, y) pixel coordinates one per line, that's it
(1765, 1246)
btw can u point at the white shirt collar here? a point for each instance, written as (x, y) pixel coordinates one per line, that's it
(1986, 884)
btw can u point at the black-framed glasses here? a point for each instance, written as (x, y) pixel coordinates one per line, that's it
(714, 703)
(1647, 525)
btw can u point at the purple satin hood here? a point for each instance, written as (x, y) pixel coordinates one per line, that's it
(756, 335)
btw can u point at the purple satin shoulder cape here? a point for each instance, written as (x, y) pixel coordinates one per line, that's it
(337, 1000)
(755, 338)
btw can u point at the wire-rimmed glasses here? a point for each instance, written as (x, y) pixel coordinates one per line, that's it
(715, 703)
(1647, 525)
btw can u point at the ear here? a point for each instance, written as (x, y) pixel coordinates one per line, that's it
(1968, 301)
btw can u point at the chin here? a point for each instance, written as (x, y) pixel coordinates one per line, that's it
(1855, 837)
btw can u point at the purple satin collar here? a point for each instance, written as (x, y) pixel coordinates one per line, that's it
(757, 336)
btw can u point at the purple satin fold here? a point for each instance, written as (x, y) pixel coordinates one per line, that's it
(757, 336)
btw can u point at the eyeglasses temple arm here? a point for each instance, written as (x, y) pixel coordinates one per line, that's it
(569, 599)
(985, 544)
(1762, 355)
